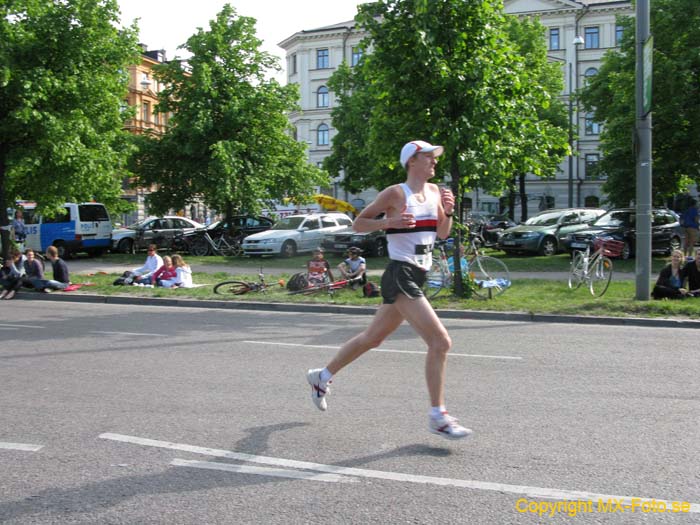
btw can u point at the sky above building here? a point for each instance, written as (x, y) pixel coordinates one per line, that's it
(167, 24)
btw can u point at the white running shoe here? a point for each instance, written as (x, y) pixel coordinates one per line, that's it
(447, 426)
(319, 390)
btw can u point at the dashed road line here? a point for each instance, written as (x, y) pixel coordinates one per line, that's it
(520, 490)
(16, 326)
(140, 334)
(24, 447)
(264, 471)
(385, 350)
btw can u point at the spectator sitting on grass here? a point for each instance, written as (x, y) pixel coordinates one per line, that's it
(61, 277)
(669, 285)
(354, 266)
(183, 274)
(318, 270)
(144, 275)
(12, 274)
(166, 272)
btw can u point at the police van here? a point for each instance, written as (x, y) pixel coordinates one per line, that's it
(84, 227)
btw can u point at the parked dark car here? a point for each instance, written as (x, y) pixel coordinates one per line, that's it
(544, 233)
(619, 223)
(243, 225)
(373, 243)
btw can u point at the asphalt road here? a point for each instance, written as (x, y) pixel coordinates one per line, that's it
(135, 415)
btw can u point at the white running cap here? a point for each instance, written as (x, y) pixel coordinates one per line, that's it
(413, 147)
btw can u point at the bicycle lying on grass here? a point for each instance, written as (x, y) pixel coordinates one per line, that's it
(243, 287)
(330, 287)
(490, 275)
(595, 268)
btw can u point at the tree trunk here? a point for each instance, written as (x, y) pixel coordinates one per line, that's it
(456, 255)
(523, 198)
(511, 198)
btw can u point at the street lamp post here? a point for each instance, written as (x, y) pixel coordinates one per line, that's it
(578, 41)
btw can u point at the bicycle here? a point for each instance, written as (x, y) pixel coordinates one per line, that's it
(490, 275)
(243, 287)
(224, 244)
(330, 287)
(595, 268)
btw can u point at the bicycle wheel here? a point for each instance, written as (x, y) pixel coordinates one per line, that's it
(228, 246)
(491, 276)
(232, 288)
(600, 276)
(577, 270)
(437, 279)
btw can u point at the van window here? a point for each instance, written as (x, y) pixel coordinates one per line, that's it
(91, 213)
(63, 216)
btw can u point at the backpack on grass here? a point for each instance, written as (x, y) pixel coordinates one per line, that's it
(370, 289)
(297, 282)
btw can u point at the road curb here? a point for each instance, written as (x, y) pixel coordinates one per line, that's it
(361, 310)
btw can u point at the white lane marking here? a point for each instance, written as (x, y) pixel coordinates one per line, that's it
(25, 447)
(387, 350)
(141, 334)
(10, 325)
(532, 492)
(264, 471)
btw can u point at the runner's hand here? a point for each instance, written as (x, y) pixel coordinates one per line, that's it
(448, 200)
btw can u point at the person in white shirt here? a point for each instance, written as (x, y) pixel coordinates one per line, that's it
(354, 266)
(144, 275)
(183, 278)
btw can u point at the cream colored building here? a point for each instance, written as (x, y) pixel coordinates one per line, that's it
(313, 56)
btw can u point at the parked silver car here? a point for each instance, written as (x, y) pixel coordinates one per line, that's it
(158, 230)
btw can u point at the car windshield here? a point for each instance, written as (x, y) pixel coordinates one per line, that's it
(616, 219)
(546, 219)
(288, 223)
(138, 224)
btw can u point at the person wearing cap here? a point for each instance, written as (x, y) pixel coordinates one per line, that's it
(354, 266)
(416, 212)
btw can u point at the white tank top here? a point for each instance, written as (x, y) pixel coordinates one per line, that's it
(415, 245)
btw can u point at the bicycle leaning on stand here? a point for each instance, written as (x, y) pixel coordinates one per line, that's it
(490, 275)
(202, 244)
(596, 268)
(243, 287)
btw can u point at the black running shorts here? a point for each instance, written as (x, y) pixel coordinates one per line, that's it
(402, 278)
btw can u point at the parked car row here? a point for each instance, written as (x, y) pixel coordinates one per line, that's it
(554, 231)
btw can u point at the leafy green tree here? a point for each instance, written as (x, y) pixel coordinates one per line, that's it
(675, 25)
(445, 71)
(62, 86)
(230, 143)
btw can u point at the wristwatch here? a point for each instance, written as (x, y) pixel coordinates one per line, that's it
(449, 215)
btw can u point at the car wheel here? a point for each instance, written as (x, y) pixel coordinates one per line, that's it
(63, 251)
(379, 248)
(626, 251)
(125, 246)
(548, 246)
(289, 249)
(674, 244)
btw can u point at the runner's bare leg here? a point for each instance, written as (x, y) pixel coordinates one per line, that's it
(386, 320)
(421, 316)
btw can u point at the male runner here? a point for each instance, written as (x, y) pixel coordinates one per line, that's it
(415, 213)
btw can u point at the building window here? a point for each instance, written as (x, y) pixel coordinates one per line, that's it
(618, 35)
(591, 201)
(554, 38)
(590, 73)
(322, 59)
(322, 135)
(592, 37)
(322, 97)
(592, 160)
(146, 112)
(356, 56)
(592, 127)
(295, 133)
(156, 119)
(294, 64)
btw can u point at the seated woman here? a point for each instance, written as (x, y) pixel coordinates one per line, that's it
(669, 285)
(34, 270)
(692, 272)
(318, 270)
(183, 274)
(167, 272)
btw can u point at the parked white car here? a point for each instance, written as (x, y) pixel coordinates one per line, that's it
(295, 234)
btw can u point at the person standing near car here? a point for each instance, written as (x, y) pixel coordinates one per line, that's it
(416, 213)
(19, 227)
(689, 221)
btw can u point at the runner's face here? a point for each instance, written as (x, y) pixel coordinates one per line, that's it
(425, 163)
